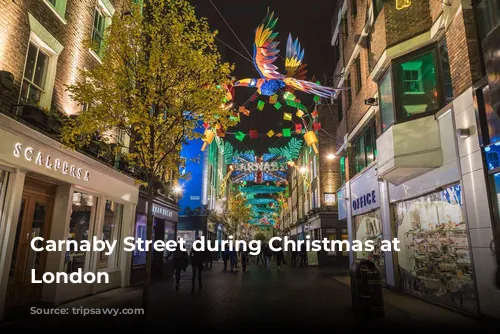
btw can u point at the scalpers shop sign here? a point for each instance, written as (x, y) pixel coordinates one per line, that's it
(365, 193)
(47, 161)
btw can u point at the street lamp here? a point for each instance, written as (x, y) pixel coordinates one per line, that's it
(177, 189)
(331, 156)
(303, 170)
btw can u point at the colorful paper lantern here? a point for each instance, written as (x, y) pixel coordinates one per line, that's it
(239, 135)
(206, 125)
(277, 105)
(289, 96)
(220, 132)
(273, 99)
(315, 113)
(298, 128)
(254, 134)
(260, 105)
(287, 116)
(317, 126)
(208, 137)
(300, 113)
(316, 98)
(279, 135)
(270, 133)
(311, 140)
(286, 133)
(244, 111)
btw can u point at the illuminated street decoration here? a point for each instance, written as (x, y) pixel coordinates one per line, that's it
(259, 169)
(402, 4)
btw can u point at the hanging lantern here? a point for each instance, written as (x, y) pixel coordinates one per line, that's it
(208, 137)
(311, 140)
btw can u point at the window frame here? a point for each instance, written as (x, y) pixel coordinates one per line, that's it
(370, 124)
(376, 13)
(397, 85)
(42, 89)
(58, 8)
(107, 14)
(388, 72)
(349, 92)
(359, 74)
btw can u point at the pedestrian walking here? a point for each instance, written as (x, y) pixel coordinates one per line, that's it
(294, 253)
(280, 256)
(233, 258)
(268, 254)
(225, 258)
(208, 257)
(244, 259)
(303, 256)
(197, 259)
(181, 261)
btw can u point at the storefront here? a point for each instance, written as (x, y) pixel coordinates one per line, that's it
(366, 221)
(58, 194)
(434, 261)
(165, 217)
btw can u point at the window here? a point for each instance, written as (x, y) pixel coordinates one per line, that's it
(59, 8)
(80, 225)
(111, 228)
(377, 7)
(344, 27)
(444, 64)
(354, 7)
(349, 92)
(416, 84)
(340, 112)
(365, 150)
(386, 101)
(98, 31)
(488, 13)
(35, 75)
(102, 19)
(358, 76)
(336, 52)
(343, 175)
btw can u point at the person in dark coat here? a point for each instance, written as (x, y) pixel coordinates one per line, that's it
(197, 261)
(244, 259)
(280, 256)
(180, 259)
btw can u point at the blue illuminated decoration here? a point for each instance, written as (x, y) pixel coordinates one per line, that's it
(270, 87)
(492, 154)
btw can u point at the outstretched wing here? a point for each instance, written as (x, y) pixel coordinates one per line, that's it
(294, 57)
(265, 48)
(312, 88)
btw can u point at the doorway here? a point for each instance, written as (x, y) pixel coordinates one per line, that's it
(35, 218)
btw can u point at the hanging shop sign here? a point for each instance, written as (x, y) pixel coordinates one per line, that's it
(45, 160)
(365, 193)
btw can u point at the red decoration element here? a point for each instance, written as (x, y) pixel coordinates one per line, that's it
(298, 128)
(254, 96)
(254, 134)
(317, 126)
(206, 125)
(315, 113)
(259, 174)
(297, 100)
(220, 132)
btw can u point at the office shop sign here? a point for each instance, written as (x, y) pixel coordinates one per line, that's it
(365, 193)
(45, 160)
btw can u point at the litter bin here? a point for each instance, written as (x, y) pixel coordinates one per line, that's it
(366, 288)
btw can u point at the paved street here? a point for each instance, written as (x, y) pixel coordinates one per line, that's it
(298, 298)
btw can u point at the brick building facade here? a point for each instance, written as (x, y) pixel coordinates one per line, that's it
(408, 135)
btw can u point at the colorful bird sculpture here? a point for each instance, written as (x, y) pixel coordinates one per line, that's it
(265, 51)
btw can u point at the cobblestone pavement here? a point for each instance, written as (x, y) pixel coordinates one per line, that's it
(295, 298)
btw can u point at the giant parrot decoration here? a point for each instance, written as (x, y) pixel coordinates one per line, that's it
(265, 51)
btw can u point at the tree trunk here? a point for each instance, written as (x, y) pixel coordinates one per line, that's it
(149, 236)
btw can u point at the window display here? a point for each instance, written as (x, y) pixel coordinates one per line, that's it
(82, 214)
(139, 257)
(369, 227)
(169, 235)
(434, 260)
(111, 232)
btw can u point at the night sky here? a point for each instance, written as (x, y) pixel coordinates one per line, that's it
(309, 20)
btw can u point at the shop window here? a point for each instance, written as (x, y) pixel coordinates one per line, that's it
(83, 212)
(444, 64)
(488, 12)
(111, 230)
(369, 227)
(59, 8)
(169, 235)
(434, 259)
(386, 101)
(365, 150)
(139, 257)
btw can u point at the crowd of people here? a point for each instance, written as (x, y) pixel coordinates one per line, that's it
(200, 260)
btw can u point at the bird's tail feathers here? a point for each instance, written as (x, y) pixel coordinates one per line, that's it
(313, 88)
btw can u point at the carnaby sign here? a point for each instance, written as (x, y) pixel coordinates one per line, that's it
(365, 193)
(267, 166)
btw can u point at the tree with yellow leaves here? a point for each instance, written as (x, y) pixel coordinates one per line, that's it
(239, 212)
(160, 76)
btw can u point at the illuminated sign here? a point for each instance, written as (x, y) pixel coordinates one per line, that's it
(56, 164)
(267, 166)
(158, 210)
